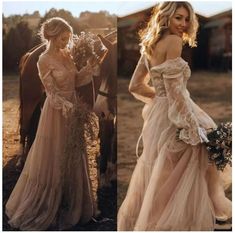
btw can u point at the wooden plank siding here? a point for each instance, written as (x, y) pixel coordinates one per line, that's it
(214, 49)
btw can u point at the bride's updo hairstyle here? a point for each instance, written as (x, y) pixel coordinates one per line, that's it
(53, 27)
(159, 23)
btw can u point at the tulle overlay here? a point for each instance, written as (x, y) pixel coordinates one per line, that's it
(173, 187)
(54, 188)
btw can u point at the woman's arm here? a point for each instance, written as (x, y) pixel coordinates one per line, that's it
(180, 110)
(139, 82)
(84, 76)
(53, 94)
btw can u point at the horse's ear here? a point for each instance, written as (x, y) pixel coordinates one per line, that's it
(106, 42)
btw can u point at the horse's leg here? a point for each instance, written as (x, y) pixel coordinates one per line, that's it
(106, 132)
(28, 131)
(24, 126)
(104, 146)
(113, 163)
(30, 137)
(33, 126)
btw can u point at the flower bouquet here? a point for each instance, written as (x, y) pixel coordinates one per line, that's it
(87, 46)
(219, 146)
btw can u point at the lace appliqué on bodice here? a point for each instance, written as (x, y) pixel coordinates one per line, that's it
(172, 76)
(59, 85)
(60, 79)
(177, 66)
(169, 80)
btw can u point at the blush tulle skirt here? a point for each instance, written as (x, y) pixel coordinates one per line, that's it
(173, 187)
(42, 198)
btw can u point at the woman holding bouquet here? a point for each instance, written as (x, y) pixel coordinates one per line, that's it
(44, 195)
(173, 186)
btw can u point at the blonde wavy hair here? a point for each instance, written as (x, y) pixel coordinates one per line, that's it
(53, 27)
(159, 23)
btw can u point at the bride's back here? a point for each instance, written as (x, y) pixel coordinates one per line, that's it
(160, 51)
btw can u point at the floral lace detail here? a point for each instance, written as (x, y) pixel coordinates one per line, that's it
(180, 111)
(61, 78)
(159, 86)
(56, 99)
(169, 80)
(171, 65)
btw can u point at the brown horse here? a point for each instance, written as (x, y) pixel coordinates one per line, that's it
(31, 96)
(106, 108)
(32, 93)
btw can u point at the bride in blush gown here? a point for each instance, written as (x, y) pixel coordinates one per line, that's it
(38, 201)
(173, 187)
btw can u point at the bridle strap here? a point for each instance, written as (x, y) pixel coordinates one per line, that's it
(107, 94)
(93, 90)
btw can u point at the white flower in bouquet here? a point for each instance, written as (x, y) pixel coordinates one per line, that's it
(87, 46)
(220, 145)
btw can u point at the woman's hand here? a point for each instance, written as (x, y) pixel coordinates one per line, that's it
(94, 64)
(67, 109)
(201, 132)
(178, 134)
(93, 61)
(203, 135)
(102, 109)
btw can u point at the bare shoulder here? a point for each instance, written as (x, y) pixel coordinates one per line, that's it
(43, 59)
(174, 46)
(174, 38)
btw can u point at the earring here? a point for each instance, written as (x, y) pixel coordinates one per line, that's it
(165, 26)
(168, 23)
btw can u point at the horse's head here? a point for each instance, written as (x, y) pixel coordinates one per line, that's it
(105, 104)
(107, 69)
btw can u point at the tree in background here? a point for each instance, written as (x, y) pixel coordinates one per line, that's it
(20, 32)
(15, 43)
(63, 14)
(19, 36)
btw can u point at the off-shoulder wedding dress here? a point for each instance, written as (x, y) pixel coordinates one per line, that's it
(36, 202)
(172, 187)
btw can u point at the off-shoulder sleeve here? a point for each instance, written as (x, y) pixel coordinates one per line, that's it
(84, 76)
(53, 94)
(180, 110)
(139, 82)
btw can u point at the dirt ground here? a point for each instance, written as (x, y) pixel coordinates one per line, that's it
(211, 91)
(106, 197)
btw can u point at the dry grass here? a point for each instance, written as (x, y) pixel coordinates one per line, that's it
(10, 118)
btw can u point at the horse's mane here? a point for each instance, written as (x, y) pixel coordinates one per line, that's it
(22, 64)
(26, 56)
